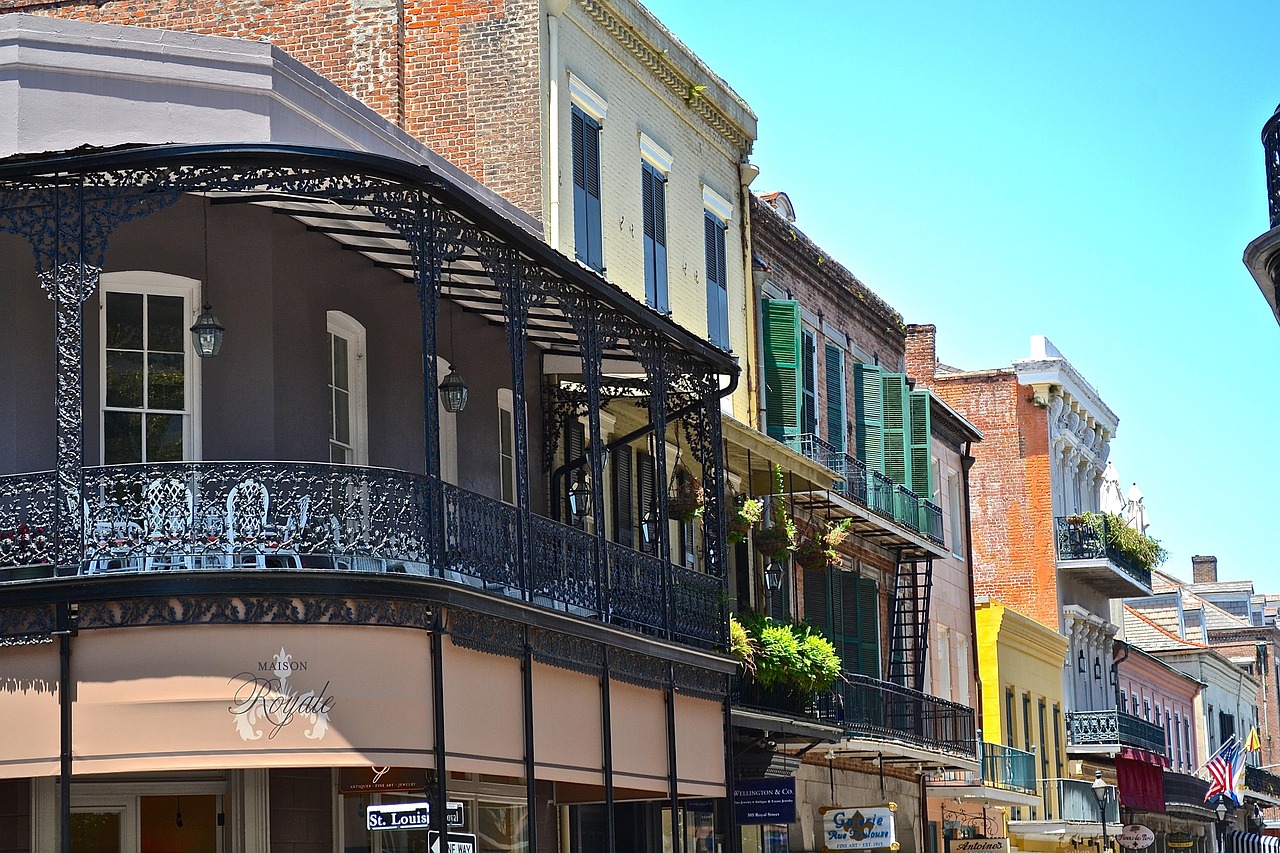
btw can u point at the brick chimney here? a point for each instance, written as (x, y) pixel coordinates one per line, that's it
(922, 353)
(1204, 569)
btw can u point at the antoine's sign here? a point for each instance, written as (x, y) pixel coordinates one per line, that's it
(266, 700)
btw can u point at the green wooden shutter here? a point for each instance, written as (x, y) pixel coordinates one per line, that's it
(897, 414)
(868, 416)
(575, 441)
(834, 362)
(782, 367)
(817, 600)
(623, 503)
(847, 643)
(868, 628)
(918, 446)
(808, 384)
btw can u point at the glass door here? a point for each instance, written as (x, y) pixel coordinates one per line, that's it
(101, 830)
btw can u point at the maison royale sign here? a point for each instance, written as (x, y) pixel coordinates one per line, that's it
(274, 695)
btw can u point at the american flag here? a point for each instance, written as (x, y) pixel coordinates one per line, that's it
(1225, 769)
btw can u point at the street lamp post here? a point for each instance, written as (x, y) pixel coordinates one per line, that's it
(1101, 793)
(1222, 809)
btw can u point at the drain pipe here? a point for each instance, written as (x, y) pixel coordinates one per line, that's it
(567, 468)
(966, 463)
(555, 8)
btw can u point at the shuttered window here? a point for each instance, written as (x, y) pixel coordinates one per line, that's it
(623, 497)
(892, 428)
(654, 192)
(809, 384)
(844, 606)
(868, 416)
(646, 491)
(717, 284)
(782, 367)
(834, 363)
(897, 416)
(587, 235)
(921, 468)
(574, 447)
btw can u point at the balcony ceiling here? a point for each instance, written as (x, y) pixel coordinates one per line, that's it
(895, 752)
(869, 525)
(1104, 576)
(985, 793)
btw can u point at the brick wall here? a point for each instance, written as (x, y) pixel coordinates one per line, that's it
(301, 816)
(15, 816)
(463, 77)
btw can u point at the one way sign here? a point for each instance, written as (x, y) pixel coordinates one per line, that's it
(459, 842)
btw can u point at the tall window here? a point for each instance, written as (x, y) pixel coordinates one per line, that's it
(833, 359)
(717, 285)
(147, 385)
(809, 386)
(348, 411)
(587, 234)
(653, 187)
(844, 606)
(506, 446)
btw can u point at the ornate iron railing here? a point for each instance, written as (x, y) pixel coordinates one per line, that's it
(749, 694)
(1182, 789)
(1085, 728)
(1077, 802)
(880, 710)
(209, 516)
(1085, 538)
(1262, 781)
(880, 493)
(906, 508)
(1009, 768)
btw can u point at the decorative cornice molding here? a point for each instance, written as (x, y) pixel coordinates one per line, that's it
(675, 80)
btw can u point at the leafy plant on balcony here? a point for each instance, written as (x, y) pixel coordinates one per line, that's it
(744, 515)
(686, 500)
(778, 539)
(820, 550)
(777, 655)
(1138, 548)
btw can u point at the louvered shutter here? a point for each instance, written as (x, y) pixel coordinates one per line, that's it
(868, 416)
(868, 628)
(780, 601)
(646, 495)
(817, 601)
(897, 414)
(574, 444)
(847, 619)
(717, 292)
(623, 500)
(834, 362)
(654, 191)
(809, 398)
(782, 367)
(585, 136)
(918, 446)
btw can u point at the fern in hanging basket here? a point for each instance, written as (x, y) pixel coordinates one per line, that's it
(686, 501)
(820, 551)
(743, 517)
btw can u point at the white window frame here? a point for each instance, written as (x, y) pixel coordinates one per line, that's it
(955, 509)
(345, 326)
(507, 464)
(150, 283)
(448, 442)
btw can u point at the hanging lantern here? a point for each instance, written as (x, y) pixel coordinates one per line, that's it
(206, 334)
(453, 392)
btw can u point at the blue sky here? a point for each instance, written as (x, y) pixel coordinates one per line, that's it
(1088, 171)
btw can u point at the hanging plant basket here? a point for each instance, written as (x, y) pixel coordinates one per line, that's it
(686, 500)
(812, 554)
(744, 517)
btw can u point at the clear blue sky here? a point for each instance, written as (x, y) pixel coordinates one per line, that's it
(1088, 171)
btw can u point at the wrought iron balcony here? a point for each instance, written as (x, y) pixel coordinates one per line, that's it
(749, 694)
(870, 709)
(1076, 801)
(212, 516)
(1184, 790)
(1262, 781)
(1113, 728)
(873, 490)
(1008, 768)
(1084, 540)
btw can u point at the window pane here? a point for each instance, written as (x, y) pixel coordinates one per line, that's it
(164, 438)
(166, 327)
(341, 416)
(166, 381)
(124, 379)
(501, 828)
(338, 454)
(505, 433)
(340, 363)
(124, 320)
(95, 832)
(122, 437)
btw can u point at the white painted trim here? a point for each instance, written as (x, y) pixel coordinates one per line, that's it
(345, 326)
(586, 99)
(448, 443)
(162, 284)
(716, 204)
(655, 154)
(506, 403)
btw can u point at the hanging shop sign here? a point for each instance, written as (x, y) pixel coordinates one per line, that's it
(1135, 836)
(978, 845)
(364, 780)
(858, 828)
(1180, 840)
(761, 801)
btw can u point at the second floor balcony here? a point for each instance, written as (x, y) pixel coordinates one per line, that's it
(1070, 801)
(1008, 777)
(880, 508)
(1262, 784)
(1085, 548)
(1110, 730)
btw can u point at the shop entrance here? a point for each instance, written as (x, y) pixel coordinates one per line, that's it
(163, 823)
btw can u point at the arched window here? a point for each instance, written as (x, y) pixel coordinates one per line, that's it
(348, 395)
(149, 388)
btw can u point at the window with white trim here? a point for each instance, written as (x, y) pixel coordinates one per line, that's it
(348, 402)
(148, 384)
(506, 446)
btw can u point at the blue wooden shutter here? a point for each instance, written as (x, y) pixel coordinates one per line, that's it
(868, 416)
(918, 446)
(782, 367)
(717, 287)
(654, 192)
(897, 414)
(587, 234)
(834, 362)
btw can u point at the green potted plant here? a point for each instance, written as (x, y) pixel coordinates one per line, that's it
(686, 500)
(781, 658)
(778, 540)
(743, 517)
(820, 550)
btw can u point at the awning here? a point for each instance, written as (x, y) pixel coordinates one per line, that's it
(1145, 756)
(1141, 785)
(1251, 842)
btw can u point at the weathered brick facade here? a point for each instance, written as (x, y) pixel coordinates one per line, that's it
(463, 77)
(1010, 490)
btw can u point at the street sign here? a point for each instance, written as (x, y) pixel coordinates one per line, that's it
(459, 842)
(398, 816)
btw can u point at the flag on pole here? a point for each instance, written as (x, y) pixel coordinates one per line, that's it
(1253, 743)
(1226, 768)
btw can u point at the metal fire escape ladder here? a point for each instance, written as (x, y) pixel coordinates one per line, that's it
(909, 635)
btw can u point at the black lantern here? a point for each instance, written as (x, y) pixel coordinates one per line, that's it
(1102, 793)
(1080, 662)
(1097, 669)
(1223, 808)
(649, 526)
(453, 392)
(772, 576)
(206, 334)
(580, 498)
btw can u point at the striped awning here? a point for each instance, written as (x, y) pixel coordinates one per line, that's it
(1251, 842)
